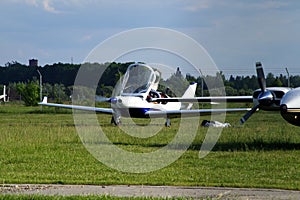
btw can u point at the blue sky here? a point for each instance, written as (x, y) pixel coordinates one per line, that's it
(236, 33)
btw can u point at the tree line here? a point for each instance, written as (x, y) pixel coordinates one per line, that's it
(58, 80)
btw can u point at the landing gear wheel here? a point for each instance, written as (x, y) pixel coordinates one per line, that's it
(168, 123)
(115, 122)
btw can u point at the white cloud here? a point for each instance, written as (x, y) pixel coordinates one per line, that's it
(48, 7)
(196, 5)
(54, 5)
(32, 2)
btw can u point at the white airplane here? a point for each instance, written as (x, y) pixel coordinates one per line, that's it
(287, 100)
(139, 98)
(3, 96)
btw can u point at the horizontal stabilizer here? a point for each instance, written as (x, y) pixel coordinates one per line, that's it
(77, 107)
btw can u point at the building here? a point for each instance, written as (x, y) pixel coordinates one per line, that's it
(33, 63)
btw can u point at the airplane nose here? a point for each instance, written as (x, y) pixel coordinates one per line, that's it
(115, 100)
(265, 98)
(291, 116)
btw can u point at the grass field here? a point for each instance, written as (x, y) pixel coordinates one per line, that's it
(43, 147)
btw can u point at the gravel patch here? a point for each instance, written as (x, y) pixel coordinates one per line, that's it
(150, 191)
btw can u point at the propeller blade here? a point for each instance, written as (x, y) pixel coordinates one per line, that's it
(261, 76)
(248, 114)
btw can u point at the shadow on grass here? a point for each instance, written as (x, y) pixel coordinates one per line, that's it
(251, 146)
(50, 111)
(230, 146)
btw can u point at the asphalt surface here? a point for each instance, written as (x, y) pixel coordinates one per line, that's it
(150, 191)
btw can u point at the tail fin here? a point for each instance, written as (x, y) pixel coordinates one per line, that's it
(45, 100)
(3, 96)
(189, 93)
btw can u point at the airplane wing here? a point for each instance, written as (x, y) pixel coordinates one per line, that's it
(86, 108)
(191, 113)
(150, 113)
(205, 99)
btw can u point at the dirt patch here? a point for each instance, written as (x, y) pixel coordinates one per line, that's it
(150, 191)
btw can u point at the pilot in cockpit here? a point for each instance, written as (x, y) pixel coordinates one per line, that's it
(152, 94)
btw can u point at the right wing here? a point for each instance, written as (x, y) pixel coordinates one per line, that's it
(205, 99)
(86, 108)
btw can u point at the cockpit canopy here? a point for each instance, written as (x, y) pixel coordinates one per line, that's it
(139, 79)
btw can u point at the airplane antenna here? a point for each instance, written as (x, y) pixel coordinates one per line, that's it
(288, 74)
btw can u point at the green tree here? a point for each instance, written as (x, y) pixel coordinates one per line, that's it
(59, 93)
(230, 91)
(29, 92)
(277, 83)
(270, 79)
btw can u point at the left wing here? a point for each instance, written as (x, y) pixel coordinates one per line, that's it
(206, 99)
(191, 113)
(87, 108)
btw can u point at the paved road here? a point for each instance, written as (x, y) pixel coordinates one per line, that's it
(153, 191)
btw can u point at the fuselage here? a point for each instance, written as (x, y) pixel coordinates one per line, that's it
(139, 85)
(137, 106)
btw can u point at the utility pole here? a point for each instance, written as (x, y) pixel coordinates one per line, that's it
(41, 85)
(202, 84)
(288, 74)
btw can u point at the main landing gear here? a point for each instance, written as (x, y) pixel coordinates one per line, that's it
(168, 122)
(116, 118)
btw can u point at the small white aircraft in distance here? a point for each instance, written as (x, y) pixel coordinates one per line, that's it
(139, 98)
(287, 100)
(3, 96)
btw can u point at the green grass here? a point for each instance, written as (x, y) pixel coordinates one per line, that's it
(43, 147)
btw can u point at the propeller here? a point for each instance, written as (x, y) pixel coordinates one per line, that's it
(248, 114)
(265, 98)
(101, 99)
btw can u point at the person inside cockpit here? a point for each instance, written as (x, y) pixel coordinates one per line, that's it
(152, 94)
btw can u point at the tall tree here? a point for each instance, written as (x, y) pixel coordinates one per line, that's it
(29, 92)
